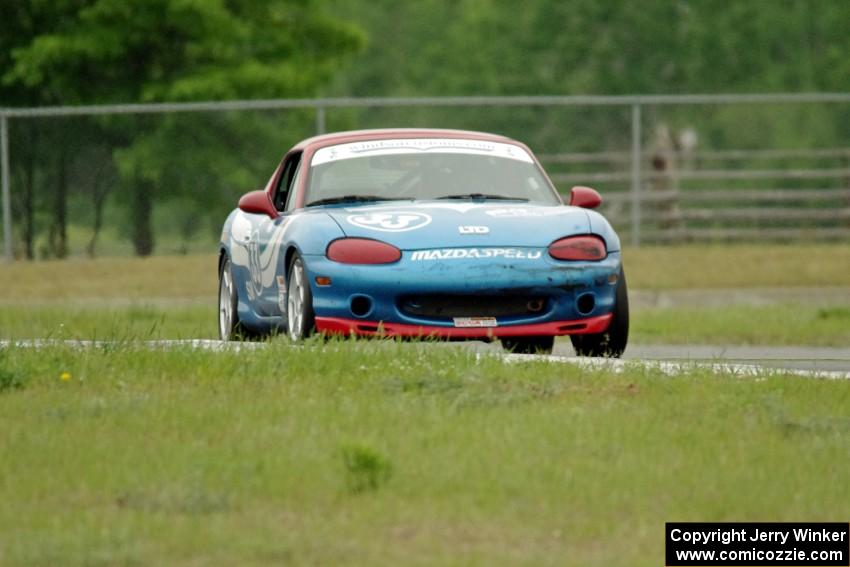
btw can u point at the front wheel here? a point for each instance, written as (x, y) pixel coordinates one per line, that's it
(228, 318)
(300, 319)
(611, 343)
(529, 345)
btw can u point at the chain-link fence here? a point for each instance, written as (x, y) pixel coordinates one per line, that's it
(112, 180)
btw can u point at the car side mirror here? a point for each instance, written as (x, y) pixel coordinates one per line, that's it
(258, 203)
(585, 197)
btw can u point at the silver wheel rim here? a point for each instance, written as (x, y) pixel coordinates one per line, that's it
(225, 303)
(295, 302)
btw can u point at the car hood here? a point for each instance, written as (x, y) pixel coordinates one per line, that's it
(414, 226)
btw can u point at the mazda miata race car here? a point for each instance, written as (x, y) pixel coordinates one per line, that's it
(422, 233)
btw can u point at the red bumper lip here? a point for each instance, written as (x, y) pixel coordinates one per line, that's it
(340, 326)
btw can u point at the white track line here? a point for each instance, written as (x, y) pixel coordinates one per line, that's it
(672, 368)
(200, 344)
(669, 368)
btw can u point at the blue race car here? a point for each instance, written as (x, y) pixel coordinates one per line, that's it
(422, 233)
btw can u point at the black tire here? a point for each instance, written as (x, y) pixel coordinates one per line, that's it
(228, 317)
(235, 330)
(611, 343)
(300, 318)
(529, 345)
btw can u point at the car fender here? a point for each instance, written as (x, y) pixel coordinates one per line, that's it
(311, 232)
(600, 225)
(260, 251)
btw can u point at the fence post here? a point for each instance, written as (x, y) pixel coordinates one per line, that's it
(7, 201)
(636, 182)
(320, 120)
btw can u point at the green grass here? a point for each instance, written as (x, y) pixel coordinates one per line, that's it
(111, 280)
(120, 322)
(364, 453)
(738, 266)
(791, 324)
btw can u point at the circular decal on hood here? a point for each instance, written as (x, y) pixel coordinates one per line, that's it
(390, 221)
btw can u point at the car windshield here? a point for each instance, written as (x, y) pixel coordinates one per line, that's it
(422, 169)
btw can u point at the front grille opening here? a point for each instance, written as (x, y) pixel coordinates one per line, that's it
(585, 303)
(448, 306)
(361, 305)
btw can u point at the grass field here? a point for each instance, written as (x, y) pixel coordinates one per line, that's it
(376, 452)
(364, 453)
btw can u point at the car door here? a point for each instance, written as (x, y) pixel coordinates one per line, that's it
(271, 239)
(258, 240)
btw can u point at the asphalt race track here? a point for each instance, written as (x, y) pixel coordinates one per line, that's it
(747, 361)
(800, 358)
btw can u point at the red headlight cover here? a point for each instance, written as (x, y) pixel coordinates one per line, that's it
(362, 251)
(585, 247)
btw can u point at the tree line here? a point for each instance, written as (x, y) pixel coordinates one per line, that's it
(121, 170)
(70, 52)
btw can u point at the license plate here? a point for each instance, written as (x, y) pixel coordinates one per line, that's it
(475, 322)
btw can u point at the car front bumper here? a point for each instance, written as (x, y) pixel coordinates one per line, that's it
(573, 297)
(335, 326)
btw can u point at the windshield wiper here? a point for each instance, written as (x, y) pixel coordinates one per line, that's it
(482, 197)
(354, 199)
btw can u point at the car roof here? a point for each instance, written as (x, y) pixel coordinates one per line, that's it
(394, 133)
